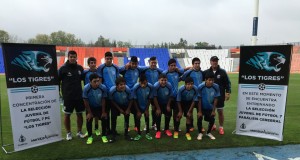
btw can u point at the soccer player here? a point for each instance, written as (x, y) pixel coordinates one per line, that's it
(197, 76)
(94, 95)
(173, 75)
(152, 73)
(163, 96)
(86, 73)
(186, 98)
(142, 94)
(120, 96)
(221, 78)
(108, 73)
(208, 93)
(70, 76)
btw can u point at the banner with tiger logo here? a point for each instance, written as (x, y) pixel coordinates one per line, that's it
(33, 94)
(262, 90)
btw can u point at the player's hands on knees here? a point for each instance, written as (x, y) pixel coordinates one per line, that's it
(227, 96)
(199, 114)
(89, 116)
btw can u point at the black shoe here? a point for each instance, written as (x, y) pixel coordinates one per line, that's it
(128, 138)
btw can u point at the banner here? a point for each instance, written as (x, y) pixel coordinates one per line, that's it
(33, 94)
(262, 92)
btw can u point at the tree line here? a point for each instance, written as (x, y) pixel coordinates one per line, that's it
(62, 38)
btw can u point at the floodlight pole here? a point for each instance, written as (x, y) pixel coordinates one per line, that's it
(255, 23)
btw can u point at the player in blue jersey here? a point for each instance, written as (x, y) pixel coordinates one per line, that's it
(152, 73)
(173, 75)
(94, 95)
(208, 93)
(163, 96)
(186, 98)
(197, 75)
(120, 96)
(108, 73)
(222, 79)
(142, 94)
(86, 73)
(131, 72)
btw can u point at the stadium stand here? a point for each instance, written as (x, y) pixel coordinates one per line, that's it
(1, 62)
(144, 55)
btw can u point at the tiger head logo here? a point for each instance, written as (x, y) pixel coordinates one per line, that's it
(268, 61)
(33, 61)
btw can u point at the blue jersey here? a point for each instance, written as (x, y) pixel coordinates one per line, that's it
(142, 95)
(207, 95)
(196, 75)
(187, 95)
(163, 93)
(86, 74)
(94, 96)
(109, 74)
(174, 78)
(121, 98)
(151, 74)
(131, 76)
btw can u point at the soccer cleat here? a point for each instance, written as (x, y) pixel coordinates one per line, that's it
(168, 133)
(148, 136)
(214, 127)
(80, 134)
(137, 138)
(89, 140)
(69, 136)
(188, 136)
(86, 134)
(175, 135)
(200, 135)
(211, 136)
(136, 129)
(104, 139)
(158, 135)
(192, 129)
(97, 132)
(221, 131)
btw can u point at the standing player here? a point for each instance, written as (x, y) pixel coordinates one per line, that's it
(186, 98)
(142, 94)
(152, 73)
(208, 93)
(173, 75)
(94, 95)
(197, 76)
(86, 73)
(221, 78)
(120, 96)
(70, 76)
(108, 73)
(163, 96)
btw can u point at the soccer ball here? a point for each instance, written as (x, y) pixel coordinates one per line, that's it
(261, 86)
(34, 89)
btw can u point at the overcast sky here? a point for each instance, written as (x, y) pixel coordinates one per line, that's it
(219, 22)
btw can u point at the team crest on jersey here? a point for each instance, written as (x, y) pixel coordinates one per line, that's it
(268, 61)
(69, 74)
